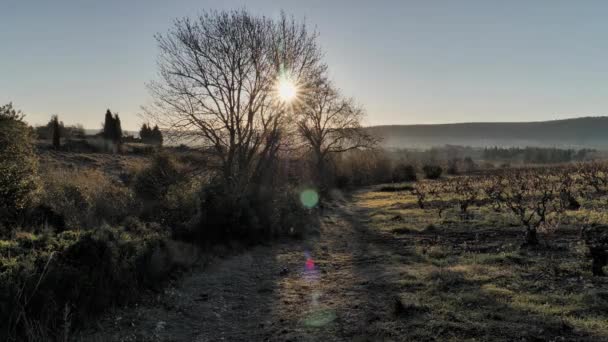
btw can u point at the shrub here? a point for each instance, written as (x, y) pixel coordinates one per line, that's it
(363, 167)
(469, 165)
(18, 168)
(404, 173)
(168, 196)
(452, 168)
(87, 198)
(432, 171)
(84, 274)
(154, 182)
(262, 213)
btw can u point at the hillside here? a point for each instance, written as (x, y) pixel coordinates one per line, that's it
(585, 132)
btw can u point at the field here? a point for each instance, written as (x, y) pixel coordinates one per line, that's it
(382, 268)
(244, 196)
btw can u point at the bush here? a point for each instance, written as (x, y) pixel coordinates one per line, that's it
(263, 212)
(168, 196)
(469, 165)
(87, 198)
(153, 183)
(83, 274)
(18, 168)
(404, 173)
(362, 167)
(432, 171)
(452, 168)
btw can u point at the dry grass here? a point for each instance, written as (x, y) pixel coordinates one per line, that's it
(478, 284)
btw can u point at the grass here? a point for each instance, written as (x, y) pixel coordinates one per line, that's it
(476, 283)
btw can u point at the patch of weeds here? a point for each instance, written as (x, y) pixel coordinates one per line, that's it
(407, 307)
(503, 258)
(494, 290)
(445, 280)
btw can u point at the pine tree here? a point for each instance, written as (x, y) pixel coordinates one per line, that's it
(157, 136)
(117, 132)
(108, 126)
(56, 132)
(144, 133)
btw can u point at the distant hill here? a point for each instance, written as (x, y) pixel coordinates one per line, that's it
(585, 132)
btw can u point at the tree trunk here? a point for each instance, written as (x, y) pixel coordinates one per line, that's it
(322, 181)
(599, 257)
(531, 239)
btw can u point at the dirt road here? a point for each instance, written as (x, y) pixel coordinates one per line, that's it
(332, 287)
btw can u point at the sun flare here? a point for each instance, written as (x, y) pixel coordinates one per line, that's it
(287, 89)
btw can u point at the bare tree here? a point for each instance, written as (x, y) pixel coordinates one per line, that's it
(533, 197)
(218, 77)
(330, 123)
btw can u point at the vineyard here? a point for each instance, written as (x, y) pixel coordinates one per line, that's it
(514, 252)
(540, 200)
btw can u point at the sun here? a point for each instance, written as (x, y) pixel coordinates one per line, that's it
(286, 89)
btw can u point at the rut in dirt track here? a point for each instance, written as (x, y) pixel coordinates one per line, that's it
(333, 287)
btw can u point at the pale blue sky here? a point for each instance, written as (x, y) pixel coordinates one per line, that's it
(404, 61)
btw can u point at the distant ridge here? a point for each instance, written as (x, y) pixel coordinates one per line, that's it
(583, 132)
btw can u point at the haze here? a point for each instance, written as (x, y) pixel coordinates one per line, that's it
(406, 62)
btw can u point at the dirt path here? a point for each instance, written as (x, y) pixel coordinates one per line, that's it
(334, 287)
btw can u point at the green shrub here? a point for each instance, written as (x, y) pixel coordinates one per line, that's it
(18, 168)
(85, 273)
(432, 171)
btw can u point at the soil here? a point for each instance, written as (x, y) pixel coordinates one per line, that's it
(324, 288)
(354, 282)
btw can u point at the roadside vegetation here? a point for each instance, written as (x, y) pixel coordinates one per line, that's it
(246, 139)
(88, 221)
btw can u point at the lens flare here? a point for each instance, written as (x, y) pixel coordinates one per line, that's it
(318, 315)
(320, 318)
(309, 198)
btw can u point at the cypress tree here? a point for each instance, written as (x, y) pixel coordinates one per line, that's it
(108, 126)
(144, 133)
(56, 132)
(157, 136)
(117, 132)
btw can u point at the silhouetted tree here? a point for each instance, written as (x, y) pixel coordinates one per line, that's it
(151, 135)
(112, 130)
(330, 124)
(144, 133)
(157, 136)
(56, 132)
(108, 126)
(117, 132)
(66, 132)
(218, 86)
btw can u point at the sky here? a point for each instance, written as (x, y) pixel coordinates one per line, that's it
(405, 62)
